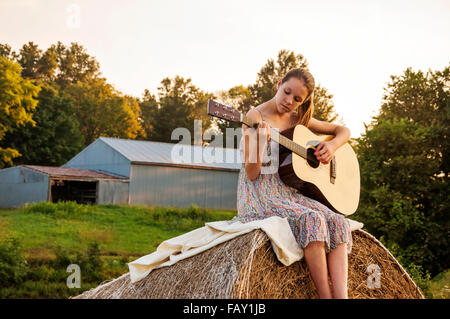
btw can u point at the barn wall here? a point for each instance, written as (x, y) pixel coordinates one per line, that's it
(113, 192)
(175, 186)
(100, 156)
(20, 185)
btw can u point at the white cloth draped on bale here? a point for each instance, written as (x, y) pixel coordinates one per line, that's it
(189, 244)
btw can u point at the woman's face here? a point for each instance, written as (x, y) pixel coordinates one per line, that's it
(290, 95)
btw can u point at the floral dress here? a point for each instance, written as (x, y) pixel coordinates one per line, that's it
(308, 219)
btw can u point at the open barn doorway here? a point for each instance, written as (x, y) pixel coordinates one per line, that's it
(82, 192)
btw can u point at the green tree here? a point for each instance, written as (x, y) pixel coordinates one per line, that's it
(29, 58)
(74, 87)
(17, 101)
(47, 65)
(148, 105)
(55, 138)
(103, 111)
(134, 105)
(404, 170)
(74, 64)
(324, 106)
(59, 63)
(7, 52)
(179, 104)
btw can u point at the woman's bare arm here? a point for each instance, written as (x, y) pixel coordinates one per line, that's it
(253, 150)
(325, 150)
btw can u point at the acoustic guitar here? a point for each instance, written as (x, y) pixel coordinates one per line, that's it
(336, 184)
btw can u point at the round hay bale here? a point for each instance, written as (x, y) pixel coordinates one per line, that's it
(246, 267)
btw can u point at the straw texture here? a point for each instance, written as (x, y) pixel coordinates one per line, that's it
(246, 267)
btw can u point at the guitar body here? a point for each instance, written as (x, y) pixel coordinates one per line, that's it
(341, 193)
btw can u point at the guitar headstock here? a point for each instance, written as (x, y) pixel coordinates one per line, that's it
(224, 112)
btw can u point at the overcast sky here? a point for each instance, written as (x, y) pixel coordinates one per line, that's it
(352, 47)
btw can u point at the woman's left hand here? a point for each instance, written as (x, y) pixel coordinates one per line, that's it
(324, 152)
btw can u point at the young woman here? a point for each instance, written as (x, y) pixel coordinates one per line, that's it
(324, 235)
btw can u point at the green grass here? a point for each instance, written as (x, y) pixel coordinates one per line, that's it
(439, 286)
(101, 238)
(120, 230)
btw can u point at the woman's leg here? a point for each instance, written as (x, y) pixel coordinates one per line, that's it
(338, 267)
(317, 264)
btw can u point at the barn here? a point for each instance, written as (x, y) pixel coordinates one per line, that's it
(121, 171)
(33, 183)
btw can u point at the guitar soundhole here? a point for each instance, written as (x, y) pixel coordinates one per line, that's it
(312, 160)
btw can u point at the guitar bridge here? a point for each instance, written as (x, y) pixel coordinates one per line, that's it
(333, 170)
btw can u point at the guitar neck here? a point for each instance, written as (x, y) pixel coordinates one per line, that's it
(228, 113)
(280, 139)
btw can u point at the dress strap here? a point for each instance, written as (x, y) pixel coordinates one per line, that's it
(260, 114)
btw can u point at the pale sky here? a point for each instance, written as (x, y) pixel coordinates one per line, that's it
(352, 47)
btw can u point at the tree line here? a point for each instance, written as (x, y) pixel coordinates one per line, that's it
(68, 104)
(55, 102)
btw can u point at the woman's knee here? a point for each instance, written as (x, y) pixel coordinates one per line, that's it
(315, 245)
(341, 246)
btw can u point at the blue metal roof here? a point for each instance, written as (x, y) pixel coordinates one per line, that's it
(148, 152)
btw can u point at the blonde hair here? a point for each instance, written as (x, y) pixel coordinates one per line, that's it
(306, 109)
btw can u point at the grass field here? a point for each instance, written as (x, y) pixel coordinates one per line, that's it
(120, 230)
(51, 236)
